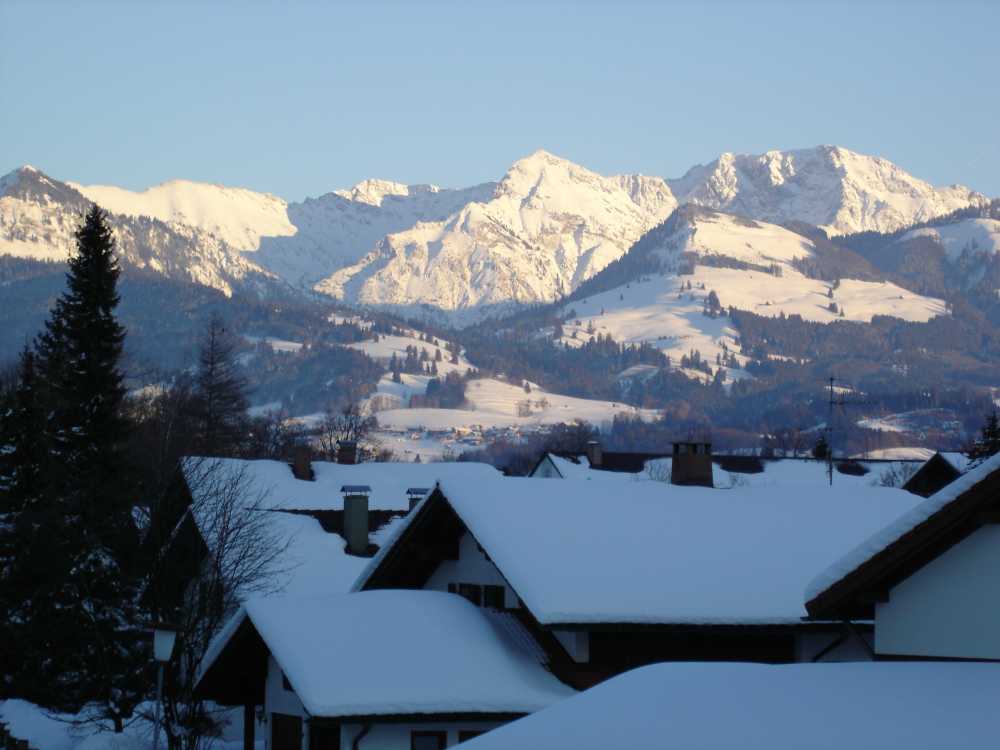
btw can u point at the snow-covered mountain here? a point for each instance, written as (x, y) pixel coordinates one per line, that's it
(750, 265)
(544, 228)
(39, 216)
(827, 186)
(300, 242)
(548, 225)
(961, 237)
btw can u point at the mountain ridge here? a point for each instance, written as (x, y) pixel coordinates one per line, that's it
(545, 227)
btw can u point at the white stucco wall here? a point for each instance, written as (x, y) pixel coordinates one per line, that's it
(471, 567)
(397, 736)
(948, 608)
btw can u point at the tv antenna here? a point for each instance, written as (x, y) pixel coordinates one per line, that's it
(843, 403)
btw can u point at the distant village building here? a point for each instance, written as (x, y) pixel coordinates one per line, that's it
(599, 464)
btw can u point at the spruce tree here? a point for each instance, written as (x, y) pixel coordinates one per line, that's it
(220, 391)
(988, 443)
(86, 627)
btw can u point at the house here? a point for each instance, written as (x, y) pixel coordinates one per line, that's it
(605, 581)
(937, 472)
(918, 706)
(336, 514)
(726, 470)
(928, 580)
(414, 670)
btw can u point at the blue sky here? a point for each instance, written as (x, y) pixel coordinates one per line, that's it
(299, 98)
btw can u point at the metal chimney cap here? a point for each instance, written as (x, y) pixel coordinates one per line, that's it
(356, 489)
(418, 491)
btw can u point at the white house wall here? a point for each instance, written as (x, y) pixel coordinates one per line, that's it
(396, 736)
(948, 608)
(472, 566)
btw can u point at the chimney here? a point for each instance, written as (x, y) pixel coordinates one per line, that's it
(302, 463)
(692, 465)
(347, 452)
(356, 517)
(416, 494)
(594, 454)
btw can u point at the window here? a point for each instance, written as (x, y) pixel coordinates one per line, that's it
(469, 734)
(286, 732)
(471, 591)
(285, 683)
(324, 737)
(428, 740)
(493, 597)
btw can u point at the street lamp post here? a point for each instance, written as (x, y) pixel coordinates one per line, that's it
(164, 637)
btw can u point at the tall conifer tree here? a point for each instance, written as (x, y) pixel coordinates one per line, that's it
(89, 612)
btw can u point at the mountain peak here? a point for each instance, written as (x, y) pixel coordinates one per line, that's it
(829, 186)
(374, 191)
(540, 159)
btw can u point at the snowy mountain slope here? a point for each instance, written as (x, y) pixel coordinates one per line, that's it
(300, 242)
(828, 186)
(968, 235)
(667, 309)
(339, 228)
(548, 225)
(39, 216)
(237, 216)
(392, 395)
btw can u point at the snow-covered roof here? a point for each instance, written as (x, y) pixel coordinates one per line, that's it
(874, 543)
(720, 706)
(776, 472)
(576, 552)
(311, 560)
(959, 461)
(396, 652)
(388, 481)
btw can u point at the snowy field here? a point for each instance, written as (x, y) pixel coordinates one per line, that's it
(494, 403)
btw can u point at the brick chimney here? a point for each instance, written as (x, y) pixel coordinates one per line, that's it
(594, 454)
(356, 517)
(692, 465)
(302, 463)
(347, 452)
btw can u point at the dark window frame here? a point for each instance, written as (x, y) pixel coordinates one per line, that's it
(471, 591)
(494, 597)
(440, 735)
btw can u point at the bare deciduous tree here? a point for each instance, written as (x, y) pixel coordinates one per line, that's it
(347, 424)
(245, 556)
